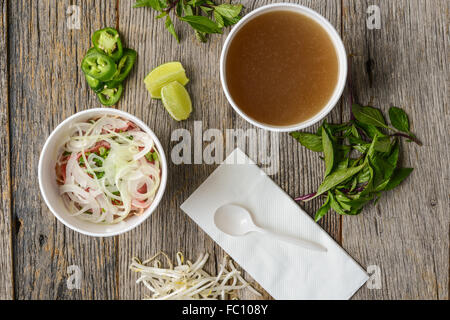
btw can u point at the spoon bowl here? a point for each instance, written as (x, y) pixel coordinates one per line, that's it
(236, 221)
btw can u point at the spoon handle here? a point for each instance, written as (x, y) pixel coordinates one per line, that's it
(295, 241)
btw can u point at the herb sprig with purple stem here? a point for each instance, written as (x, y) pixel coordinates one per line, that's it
(361, 158)
(204, 16)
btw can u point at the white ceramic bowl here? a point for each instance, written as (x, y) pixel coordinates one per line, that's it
(49, 187)
(340, 51)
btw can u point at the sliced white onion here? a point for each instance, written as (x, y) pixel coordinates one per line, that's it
(125, 169)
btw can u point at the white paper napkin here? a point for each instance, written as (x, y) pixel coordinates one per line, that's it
(285, 271)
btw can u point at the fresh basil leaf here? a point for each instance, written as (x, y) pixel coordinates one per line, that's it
(369, 115)
(335, 204)
(354, 183)
(369, 184)
(229, 11)
(383, 144)
(399, 119)
(337, 177)
(323, 209)
(355, 132)
(361, 147)
(309, 140)
(328, 152)
(371, 150)
(171, 28)
(202, 24)
(355, 211)
(393, 156)
(342, 164)
(343, 200)
(364, 175)
(383, 171)
(369, 130)
(399, 175)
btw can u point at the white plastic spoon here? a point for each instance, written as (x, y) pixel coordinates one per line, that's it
(237, 221)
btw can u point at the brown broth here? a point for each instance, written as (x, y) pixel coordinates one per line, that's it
(281, 68)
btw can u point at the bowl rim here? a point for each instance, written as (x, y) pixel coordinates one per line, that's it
(340, 52)
(159, 193)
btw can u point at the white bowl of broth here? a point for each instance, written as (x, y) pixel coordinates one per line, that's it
(283, 67)
(51, 188)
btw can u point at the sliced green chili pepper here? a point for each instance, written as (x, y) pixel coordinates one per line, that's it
(125, 64)
(98, 66)
(109, 96)
(124, 67)
(94, 83)
(107, 40)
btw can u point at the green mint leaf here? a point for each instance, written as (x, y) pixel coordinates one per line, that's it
(161, 15)
(142, 3)
(219, 19)
(309, 140)
(399, 175)
(229, 22)
(337, 177)
(205, 9)
(171, 28)
(179, 8)
(328, 152)
(228, 11)
(323, 209)
(196, 3)
(188, 11)
(369, 115)
(200, 36)
(158, 5)
(202, 24)
(399, 119)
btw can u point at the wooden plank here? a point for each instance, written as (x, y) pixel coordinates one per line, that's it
(406, 234)
(6, 278)
(169, 229)
(46, 86)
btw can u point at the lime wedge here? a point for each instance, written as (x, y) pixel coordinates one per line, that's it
(162, 75)
(176, 100)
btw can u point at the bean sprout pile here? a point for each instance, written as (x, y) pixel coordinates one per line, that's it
(108, 169)
(188, 280)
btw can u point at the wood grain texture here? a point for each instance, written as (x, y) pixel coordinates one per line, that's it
(169, 229)
(407, 233)
(6, 267)
(46, 86)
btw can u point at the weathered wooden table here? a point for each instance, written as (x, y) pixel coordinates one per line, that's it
(404, 239)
